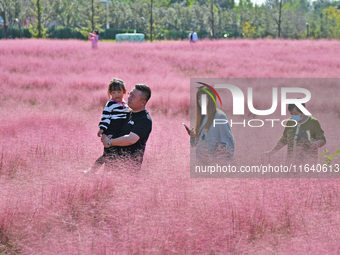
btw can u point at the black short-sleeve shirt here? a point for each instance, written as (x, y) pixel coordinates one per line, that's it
(139, 123)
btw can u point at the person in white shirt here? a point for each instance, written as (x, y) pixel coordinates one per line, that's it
(193, 36)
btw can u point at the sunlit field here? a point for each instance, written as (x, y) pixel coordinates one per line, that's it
(52, 96)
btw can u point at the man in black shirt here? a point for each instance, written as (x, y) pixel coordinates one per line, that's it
(130, 145)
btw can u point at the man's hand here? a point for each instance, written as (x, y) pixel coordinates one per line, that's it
(100, 132)
(221, 149)
(125, 140)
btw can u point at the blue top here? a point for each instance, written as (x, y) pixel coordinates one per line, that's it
(219, 136)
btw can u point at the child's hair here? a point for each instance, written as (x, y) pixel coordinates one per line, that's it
(117, 85)
(95, 31)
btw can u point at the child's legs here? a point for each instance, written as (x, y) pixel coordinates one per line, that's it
(100, 160)
(98, 163)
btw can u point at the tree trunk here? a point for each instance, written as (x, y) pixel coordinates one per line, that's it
(92, 15)
(39, 18)
(280, 20)
(151, 21)
(212, 19)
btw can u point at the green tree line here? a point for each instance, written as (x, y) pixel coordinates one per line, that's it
(171, 19)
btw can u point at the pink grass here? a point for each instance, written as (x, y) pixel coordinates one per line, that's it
(52, 94)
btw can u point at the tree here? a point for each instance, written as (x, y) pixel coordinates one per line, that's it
(37, 29)
(11, 10)
(275, 18)
(280, 20)
(274, 8)
(212, 19)
(39, 11)
(248, 30)
(333, 16)
(298, 20)
(92, 16)
(151, 21)
(225, 4)
(3, 14)
(65, 13)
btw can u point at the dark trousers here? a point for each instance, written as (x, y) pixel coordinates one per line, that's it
(103, 159)
(114, 159)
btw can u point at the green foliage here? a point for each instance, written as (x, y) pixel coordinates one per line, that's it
(34, 30)
(68, 13)
(14, 32)
(173, 18)
(13, 9)
(227, 4)
(88, 29)
(171, 35)
(37, 28)
(314, 30)
(162, 3)
(248, 30)
(333, 16)
(65, 33)
(331, 157)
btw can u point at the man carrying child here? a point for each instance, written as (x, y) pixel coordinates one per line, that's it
(124, 131)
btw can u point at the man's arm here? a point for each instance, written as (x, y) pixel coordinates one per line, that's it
(318, 143)
(125, 140)
(279, 145)
(320, 139)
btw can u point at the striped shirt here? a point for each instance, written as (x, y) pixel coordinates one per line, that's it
(114, 117)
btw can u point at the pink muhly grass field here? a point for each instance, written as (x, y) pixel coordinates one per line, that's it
(52, 95)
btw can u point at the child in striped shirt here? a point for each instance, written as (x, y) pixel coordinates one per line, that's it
(113, 118)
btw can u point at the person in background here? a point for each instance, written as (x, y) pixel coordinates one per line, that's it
(208, 139)
(193, 36)
(303, 136)
(94, 38)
